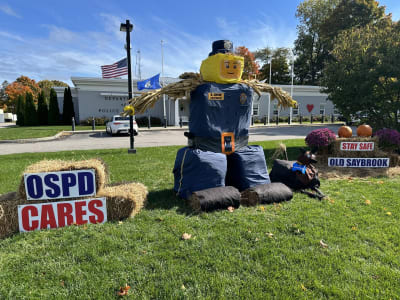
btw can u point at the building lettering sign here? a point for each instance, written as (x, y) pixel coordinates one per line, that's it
(357, 146)
(60, 214)
(358, 162)
(60, 185)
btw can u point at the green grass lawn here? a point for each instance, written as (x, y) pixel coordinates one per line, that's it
(270, 251)
(16, 132)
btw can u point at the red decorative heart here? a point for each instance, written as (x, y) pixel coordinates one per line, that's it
(310, 107)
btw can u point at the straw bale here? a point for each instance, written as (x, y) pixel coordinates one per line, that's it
(9, 213)
(101, 171)
(343, 173)
(124, 200)
(336, 152)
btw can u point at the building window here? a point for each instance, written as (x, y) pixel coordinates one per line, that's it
(322, 108)
(255, 109)
(275, 111)
(295, 110)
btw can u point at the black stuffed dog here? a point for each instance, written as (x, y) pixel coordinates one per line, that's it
(299, 175)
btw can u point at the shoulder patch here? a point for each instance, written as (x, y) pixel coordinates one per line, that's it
(243, 98)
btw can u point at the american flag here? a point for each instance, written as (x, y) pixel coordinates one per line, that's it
(116, 69)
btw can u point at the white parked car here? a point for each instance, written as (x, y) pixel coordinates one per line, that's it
(120, 124)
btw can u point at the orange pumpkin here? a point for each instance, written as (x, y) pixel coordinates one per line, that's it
(364, 130)
(345, 132)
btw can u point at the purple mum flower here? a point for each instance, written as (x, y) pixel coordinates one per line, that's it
(388, 137)
(320, 137)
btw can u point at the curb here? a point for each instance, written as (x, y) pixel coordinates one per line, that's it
(34, 140)
(68, 133)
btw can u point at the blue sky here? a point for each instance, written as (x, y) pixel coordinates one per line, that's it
(60, 39)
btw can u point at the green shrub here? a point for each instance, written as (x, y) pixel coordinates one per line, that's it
(54, 111)
(68, 107)
(42, 110)
(98, 121)
(30, 113)
(143, 121)
(20, 110)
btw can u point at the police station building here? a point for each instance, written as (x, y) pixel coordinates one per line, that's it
(98, 97)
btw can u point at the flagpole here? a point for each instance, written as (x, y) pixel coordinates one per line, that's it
(139, 70)
(162, 75)
(291, 90)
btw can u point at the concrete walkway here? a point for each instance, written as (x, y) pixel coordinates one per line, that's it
(148, 138)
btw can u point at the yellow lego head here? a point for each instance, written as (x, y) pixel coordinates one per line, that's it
(222, 68)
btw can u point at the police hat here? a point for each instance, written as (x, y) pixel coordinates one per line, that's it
(221, 46)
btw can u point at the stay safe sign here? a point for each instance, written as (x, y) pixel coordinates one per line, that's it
(60, 214)
(63, 184)
(357, 146)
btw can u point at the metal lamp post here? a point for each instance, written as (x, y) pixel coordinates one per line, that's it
(127, 27)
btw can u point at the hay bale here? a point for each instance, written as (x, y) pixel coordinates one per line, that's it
(343, 173)
(336, 152)
(9, 213)
(101, 171)
(124, 200)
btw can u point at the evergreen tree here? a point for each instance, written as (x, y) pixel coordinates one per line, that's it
(54, 111)
(30, 113)
(20, 107)
(68, 107)
(43, 110)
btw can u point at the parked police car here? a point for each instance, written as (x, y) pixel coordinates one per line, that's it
(120, 124)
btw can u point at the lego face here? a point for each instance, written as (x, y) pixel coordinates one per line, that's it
(222, 68)
(231, 68)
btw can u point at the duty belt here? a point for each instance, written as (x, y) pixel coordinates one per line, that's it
(227, 143)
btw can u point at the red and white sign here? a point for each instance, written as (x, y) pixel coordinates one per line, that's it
(60, 214)
(357, 146)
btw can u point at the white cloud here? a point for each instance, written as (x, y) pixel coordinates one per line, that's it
(10, 36)
(8, 10)
(258, 33)
(63, 53)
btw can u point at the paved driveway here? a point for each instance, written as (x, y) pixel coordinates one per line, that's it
(147, 138)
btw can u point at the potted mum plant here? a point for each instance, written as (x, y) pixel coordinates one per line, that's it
(319, 140)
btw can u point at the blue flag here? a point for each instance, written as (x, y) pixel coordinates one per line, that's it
(150, 84)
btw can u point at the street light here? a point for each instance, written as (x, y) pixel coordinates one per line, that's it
(127, 27)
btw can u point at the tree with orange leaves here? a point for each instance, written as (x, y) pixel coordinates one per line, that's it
(251, 67)
(31, 83)
(20, 86)
(14, 90)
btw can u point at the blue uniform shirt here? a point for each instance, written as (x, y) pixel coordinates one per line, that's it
(216, 108)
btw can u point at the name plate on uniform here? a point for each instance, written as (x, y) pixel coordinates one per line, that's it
(358, 162)
(215, 96)
(357, 146)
